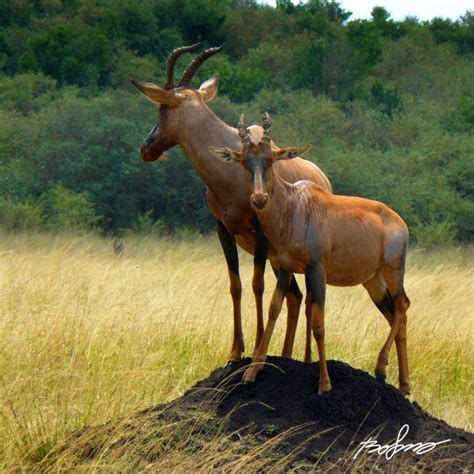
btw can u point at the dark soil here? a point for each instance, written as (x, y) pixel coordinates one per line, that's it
(320, 432)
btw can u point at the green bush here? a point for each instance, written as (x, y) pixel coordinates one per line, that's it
(72, 54)
(128, 65)
(434, 234)
(466, 109)
(27, 93)
(66, 210)
(186, 233)
(240, 83)
(17, 216)
(146, 225)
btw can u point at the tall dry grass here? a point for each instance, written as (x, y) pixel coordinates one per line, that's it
(86, 336)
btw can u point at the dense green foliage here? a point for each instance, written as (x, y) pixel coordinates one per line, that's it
(388, 106)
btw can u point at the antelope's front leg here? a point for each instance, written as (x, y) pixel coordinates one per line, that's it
(258, 281)
(281, 288)
(232, 259)
(316, 287)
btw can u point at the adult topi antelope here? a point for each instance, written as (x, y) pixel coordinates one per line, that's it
(186, 120)
(339, 240)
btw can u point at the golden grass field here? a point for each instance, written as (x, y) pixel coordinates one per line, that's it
(86, 337)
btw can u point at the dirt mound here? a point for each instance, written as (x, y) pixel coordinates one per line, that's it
(282, 416)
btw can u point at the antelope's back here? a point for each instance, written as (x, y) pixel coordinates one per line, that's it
(299, 169)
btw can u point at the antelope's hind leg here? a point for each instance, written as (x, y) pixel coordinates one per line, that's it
(402, 305)
(388, 295)
(307, 351)
(393, 276)
(232, 258)
(381, 297)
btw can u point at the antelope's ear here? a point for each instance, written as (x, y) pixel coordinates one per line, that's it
(209, 88)
(158, 95)
(290, 152)
(225, 154)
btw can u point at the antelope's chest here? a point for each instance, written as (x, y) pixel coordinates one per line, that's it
(239, 223)
(236, 215)
(293, 256)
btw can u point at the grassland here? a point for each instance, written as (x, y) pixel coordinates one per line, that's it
(86, 337)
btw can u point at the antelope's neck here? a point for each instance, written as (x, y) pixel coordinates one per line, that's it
(276, 219)
(292, 223)
(200, 129)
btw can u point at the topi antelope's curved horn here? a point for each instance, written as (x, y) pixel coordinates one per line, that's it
(267, 128)
(172, 58)
(244, 132)
(196, 63)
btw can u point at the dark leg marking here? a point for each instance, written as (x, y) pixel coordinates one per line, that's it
(229, 247)
(232, 258)
(315, 278)
(315, 284)
(261, 245)
(283, 281)
(295, 289)
(258, 281)
(387, 304)
(293, 303)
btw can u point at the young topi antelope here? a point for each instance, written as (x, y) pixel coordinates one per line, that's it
(339, 240)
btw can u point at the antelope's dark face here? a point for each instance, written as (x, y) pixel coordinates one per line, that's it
(172, 101)
(257, 160)
(159, 139)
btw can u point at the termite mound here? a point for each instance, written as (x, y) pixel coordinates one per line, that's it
(279, 422)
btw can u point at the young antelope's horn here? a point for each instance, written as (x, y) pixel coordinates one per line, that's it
(244, 132)
(267, 128)
(172, 58)
(195, 64)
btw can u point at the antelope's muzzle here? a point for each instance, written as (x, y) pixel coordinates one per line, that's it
(146, 148)
(259, 200)
(146, 154)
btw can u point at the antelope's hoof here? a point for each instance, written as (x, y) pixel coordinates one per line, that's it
(405, 389)
(324, 387)
(380, 378)
(249, 376)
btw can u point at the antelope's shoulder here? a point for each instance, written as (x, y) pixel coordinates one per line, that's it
(310, 189)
